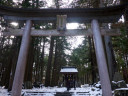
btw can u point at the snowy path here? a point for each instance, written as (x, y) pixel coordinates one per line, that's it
(51, 91)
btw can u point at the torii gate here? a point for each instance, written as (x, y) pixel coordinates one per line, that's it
(88, 15)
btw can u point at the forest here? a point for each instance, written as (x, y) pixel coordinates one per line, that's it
(46, 55)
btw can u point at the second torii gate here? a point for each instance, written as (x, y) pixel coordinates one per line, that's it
(89, 15)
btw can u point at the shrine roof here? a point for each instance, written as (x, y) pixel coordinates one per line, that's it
(69, 70)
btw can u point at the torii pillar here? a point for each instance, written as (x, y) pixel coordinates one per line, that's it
(21, 63)
(101, 60)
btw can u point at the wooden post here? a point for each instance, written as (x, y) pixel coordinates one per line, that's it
(101, 60)
(21, 63)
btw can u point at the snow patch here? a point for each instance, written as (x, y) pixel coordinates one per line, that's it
(69, 70)
(51, 91)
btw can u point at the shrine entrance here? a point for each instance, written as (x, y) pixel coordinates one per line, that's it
(61, 17)
(69, 77)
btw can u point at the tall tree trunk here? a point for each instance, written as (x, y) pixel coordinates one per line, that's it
(57, 61)
(29, 67)
(7, 64)
(8, 70)
(108, 45)
(15, 52)
(42, 57)
(14, 62)
(49, 65)
(93, 60)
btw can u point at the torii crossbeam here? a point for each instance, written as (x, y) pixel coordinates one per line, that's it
(68, 32)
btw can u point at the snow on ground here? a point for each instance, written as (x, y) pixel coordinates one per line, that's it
(3, 92)
(50, 91)
(122, 89)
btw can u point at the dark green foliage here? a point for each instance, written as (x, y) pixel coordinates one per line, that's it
(25, 3)
(7, 3)
(121, 52)
(33, 3)
(81, 58)
(9, 54)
